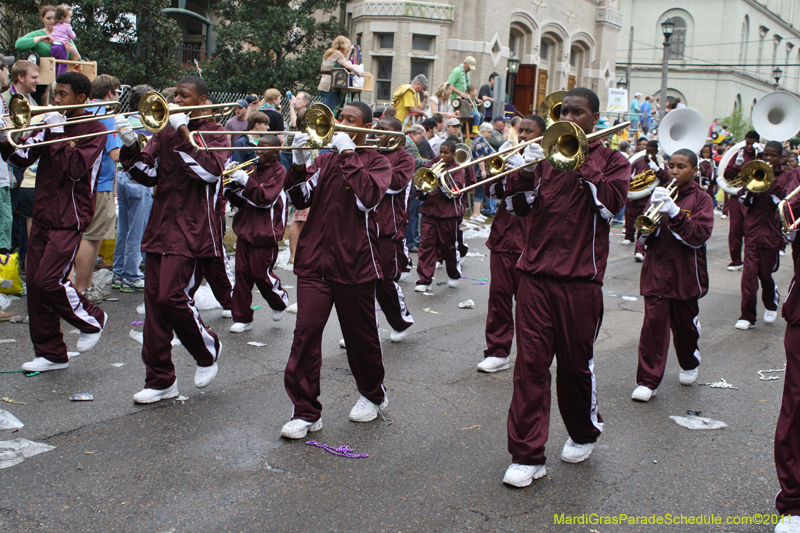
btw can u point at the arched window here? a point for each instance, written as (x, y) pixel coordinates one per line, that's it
(743, 40)
(678, 40)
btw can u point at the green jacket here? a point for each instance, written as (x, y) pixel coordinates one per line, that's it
(25, 46)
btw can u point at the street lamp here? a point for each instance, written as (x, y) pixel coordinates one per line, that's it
(777, 73)
(667, 27)
(513, 68)
(622, 84)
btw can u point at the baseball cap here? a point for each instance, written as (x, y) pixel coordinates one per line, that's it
(242, 103)
(470, 61)
(6, 60)
(637, 94)
(501, 118)
(250, 99)
(452, 122)
(602, 123)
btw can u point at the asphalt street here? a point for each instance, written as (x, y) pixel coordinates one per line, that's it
(216, 463)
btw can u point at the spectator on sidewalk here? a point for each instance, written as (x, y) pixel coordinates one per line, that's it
(238, 122)
(258, 123)
(406, 98)
(498, 136)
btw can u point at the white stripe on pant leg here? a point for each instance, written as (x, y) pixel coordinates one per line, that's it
(404, 314)
(208, 340)
(777, 296)
(458, 254)
(72, 295)
(228, 271)
(594, 409)
(276, 287)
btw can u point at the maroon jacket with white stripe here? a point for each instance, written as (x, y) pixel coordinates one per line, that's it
(507, 233)
(762, 228)
(791, 307)
(183, 220)
(642, 165)
(675, 263)
(261, 218)
(339, 241)
(436, 203)
(568, 214)
(67, 175)
(392, 211)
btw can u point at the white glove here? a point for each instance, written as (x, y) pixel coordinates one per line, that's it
(55, 118)
(740, 159)
(653, 165)
(300, 157)
(758, 147)
(240, 177)
(342, 141)
(515, 161)
(533, 152)
(359, 69)
(126, 133)
(230, 164)
(176, 120)
(669, 207)
(658, 195)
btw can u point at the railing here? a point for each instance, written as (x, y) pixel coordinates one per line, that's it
(187, 53)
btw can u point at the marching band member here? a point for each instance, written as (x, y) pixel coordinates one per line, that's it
(182, 233)
(259, 224)
(506, 241)
(64, 207)
(441, 218)
(390, 215)
(707, 172)
(337, 263)
(734, 209)
(560, 295)
(634, 208)
(674, 277)
(763, 238)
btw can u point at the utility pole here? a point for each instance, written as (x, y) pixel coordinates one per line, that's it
(630, 60)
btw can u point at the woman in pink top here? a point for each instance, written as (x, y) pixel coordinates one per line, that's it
(62, 34)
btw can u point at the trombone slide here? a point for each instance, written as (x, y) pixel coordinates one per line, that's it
(788, 221)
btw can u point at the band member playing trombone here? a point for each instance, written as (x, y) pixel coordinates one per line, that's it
(674, 275)
(734, 209)
(634, 208)
(259, 224)
(505, 242)
(182, 232)
(560, 296)
(65, 191)
(762, 235)
(337, 262)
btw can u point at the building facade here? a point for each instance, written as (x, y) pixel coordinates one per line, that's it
(722, 53)
(561, 44)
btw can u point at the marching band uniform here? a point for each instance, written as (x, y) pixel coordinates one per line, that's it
(634, 208)
(217, 270)
(64, 207)
(707, 177)
(674, 277)
(736, 211)
(182, 232)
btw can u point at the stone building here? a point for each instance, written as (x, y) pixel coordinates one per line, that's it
(561, 44)
(722, 53)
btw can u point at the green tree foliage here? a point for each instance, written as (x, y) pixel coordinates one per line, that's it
(135, 52)
(738, 124)
(17, 17)
(278, 43)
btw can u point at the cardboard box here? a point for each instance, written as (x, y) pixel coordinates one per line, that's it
(47, 69)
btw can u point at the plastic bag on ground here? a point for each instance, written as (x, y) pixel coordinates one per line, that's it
(204, 299)
(5, 301)
(101, 278)
(15, 451)
(698, 422)
(283, 260)
(9, 421)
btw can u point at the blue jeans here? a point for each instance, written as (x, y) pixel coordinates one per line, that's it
(490, 207)
(135, 202)
(412, 230)
(330, 99)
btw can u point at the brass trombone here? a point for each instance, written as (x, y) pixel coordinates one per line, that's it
(648, 222)
(756, 176)
(20, 112)
(788, 220)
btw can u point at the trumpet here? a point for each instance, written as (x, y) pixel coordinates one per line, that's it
(788, 220)
(318, 124)
(228, 171)
(756, 176)
(20, 112)
(648, 222)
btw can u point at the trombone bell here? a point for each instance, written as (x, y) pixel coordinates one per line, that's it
(565, 146)
(756, 176)
(426, 179)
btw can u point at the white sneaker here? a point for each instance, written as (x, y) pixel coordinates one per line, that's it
(781, 252)
(788, 524)
(422, 288)
(397, 336)
(642, 394)
(480, 219)
(40, 364)
(687, 377)
(453, 282)
(404, 276)
(744, 324)
(227, 313)
(342, 344)
(439, 264)
(87, 340)
(493, 364)
(638, 257)
(277, 315)
(770, 316)
(734, 268)
(205, 375)
(576, 453)
(292, 309)
(154, 395)
(297, 429)
(239, 327)
(723, 216)
(626, 242)
(366, 411)
(518, 475)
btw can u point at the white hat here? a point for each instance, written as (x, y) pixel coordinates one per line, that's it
(637, 94)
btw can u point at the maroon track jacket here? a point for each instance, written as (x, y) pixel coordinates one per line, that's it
(183, 220)
(791, 307)
(261, 218)
(761, 224)
(67, 175)
(566, 234)
(392, 213)
(507, 233)
(339, 241)
(642, 164)
(675, 264)
(437, 204)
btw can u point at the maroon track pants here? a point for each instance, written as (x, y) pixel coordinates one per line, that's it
(560, 317)
(660, 316)
(735, 211)
(787, 432)
(500, 310)
(633, 208)
(759, 264)
(169, 281)
(51, 295)
(389, 294)
(219, 277)
(355, 307)
(254, 266)
(438, 237)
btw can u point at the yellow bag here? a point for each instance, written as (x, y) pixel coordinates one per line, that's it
(10, 282)
(107, 250)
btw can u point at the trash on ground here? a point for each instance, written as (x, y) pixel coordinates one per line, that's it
(112, 299)
(9, 400)
(102, 277)
(15, 451)
(255, 307)
(20, 319)
(82, 397)
(292, 308)
(288, 287)
(630, 298)
(476, 426)
(9, 421)
(475, 254)
(74, 331)
(204, 299)
(73, 354)
(762, 377)
(138, 336)
(282, 261)
(427, 293)
(468, 304)
(256, 344)
(5, 301)
(721, 384)
(7, 341)
(428, 310)
(118, 365)
(137, 323)
(140, 309)
(341, 451)
(480, 283)
(698, 422)
(181, 399)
